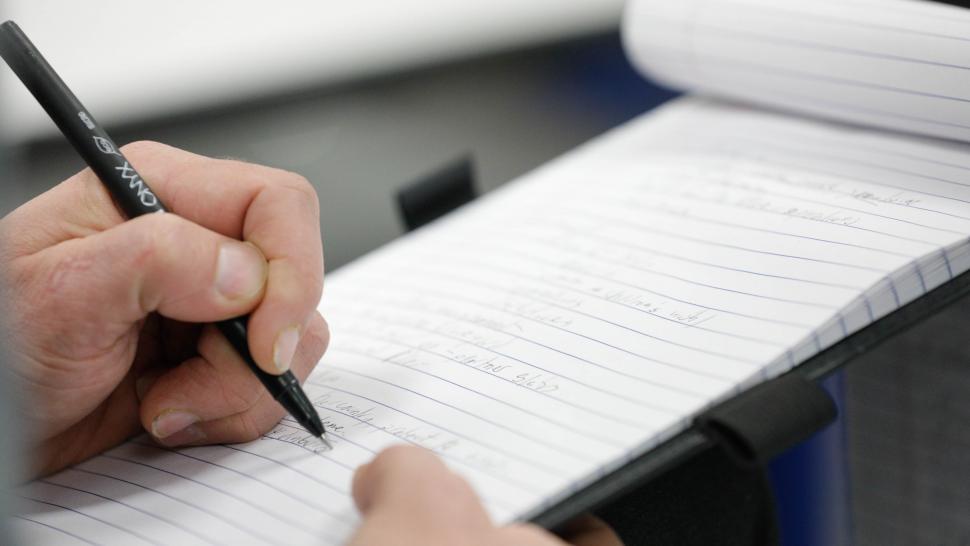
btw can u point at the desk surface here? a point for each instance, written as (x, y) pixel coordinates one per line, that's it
(135, 60)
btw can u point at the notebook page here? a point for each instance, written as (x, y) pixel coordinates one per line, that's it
(563, 325)
(897, 64)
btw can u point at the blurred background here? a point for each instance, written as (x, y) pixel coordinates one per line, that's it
(364, 97)
(361, 99)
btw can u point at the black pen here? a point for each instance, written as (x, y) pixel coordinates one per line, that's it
(132, 194)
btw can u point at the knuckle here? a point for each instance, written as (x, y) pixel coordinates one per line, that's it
(237, 391)
(303, 286)
(300, 183)
(248, 427)
(142, 148)
(240, 395)
(305, 191)
(157, 237)
(234, 392)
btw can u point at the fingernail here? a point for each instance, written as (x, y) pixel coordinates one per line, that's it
(170, 422)
(285, 348)
(189, 435)
(240, 271)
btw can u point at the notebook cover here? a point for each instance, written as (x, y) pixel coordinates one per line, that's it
(679, 448)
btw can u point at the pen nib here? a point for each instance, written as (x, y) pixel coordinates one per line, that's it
(316, 444)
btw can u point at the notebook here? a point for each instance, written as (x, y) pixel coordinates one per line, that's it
(815, 181)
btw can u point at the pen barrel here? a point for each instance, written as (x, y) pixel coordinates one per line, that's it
(284, 388)
(98, 150)
(235, 331)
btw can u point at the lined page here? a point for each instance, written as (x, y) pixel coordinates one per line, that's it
(897, 64)
(561, 326)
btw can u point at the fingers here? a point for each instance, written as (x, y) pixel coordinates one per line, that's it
(211, 192)
(407, 496)
(215, 398)
(295, 280)
(276, 211)
(159, 262)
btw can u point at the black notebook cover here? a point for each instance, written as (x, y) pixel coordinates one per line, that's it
(692, 441)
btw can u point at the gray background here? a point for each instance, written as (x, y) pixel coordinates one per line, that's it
(360, 142)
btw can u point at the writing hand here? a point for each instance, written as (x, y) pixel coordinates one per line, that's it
(408, 497)
(105, 315)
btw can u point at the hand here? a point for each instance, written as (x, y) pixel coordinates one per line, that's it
(104, 314)
(407, 497)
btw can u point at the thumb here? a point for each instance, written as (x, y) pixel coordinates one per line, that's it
(158, 262)
(407, 496)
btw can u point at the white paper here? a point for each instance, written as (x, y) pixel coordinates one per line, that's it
(561, 326)
(897, 64)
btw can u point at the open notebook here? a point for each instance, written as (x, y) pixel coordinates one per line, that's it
(578, 317)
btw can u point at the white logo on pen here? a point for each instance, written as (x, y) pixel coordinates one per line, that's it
(86, 119)
(135, 182)
(105, 145)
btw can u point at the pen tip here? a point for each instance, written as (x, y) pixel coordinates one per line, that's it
(315, 426)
